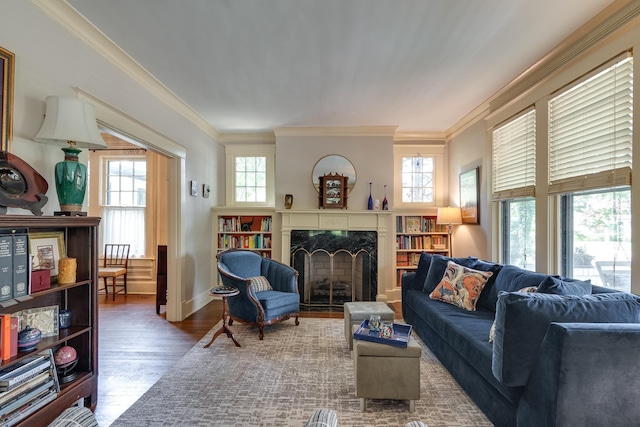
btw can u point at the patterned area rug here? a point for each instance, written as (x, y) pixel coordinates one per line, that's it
(283, 379)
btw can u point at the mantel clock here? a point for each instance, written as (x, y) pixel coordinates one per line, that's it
(333, 191)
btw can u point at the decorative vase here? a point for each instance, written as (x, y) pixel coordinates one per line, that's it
(288, 201)
(71, 181)
(385, 202)
(370, 204)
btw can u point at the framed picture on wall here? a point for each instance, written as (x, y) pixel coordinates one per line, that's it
(6, 98)
(470, 196)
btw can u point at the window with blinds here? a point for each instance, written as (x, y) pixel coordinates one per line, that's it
(514, 158)
(590, 131)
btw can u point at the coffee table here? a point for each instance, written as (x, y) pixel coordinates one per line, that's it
(224, 292)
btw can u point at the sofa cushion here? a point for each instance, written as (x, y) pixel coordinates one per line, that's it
(510, 279)
(421, 272)
(522, 320)
(553, 285)
(259, 283)
(461, 286)
(437, 267)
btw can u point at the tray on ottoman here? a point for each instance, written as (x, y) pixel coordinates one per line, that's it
(400, 338)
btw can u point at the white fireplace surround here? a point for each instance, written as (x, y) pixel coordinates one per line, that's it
(330, 219)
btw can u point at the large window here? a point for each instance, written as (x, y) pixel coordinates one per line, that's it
(596, 243)
(513, 185)
(124, 203)
(590, 153)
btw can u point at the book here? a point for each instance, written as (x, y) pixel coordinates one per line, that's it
(21, 265)
(15, 368)
(13, 340)
(6, 266)
(24, 373)
(9, 396)
(5, 336)
(30, 407)
(29, 395)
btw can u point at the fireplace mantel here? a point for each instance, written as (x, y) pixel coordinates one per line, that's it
(343, 219)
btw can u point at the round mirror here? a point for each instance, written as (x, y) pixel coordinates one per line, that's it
(334, 163)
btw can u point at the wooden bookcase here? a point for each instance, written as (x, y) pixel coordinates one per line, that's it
(416, 234)
(81, 242)
(244, 230)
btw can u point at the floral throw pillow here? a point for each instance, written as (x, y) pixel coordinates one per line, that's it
(461, 286)
(259, 284)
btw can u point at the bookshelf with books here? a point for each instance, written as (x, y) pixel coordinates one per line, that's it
(41, 400)
(416, 234)
(244, 230)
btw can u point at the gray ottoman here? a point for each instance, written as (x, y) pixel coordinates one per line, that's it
(356, 312)
(383, 371)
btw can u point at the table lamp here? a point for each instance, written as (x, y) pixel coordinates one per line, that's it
(73, 122)
(449, 216)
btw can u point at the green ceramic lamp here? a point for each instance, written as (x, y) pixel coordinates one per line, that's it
(73, 122)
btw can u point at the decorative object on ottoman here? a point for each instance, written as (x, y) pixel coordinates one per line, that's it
(356, 312)
(66, 359)
(374, 323)
(387, 372)
(67, 270)
(28, 338)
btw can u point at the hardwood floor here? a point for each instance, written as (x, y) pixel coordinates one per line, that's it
(137, 346)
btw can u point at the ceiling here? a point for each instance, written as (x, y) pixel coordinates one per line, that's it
(421, 65)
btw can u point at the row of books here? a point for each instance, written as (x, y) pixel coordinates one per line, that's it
(418, 224)
(255, 241)
(421, 242)
(406, 258)
(244, 224)
(27, 386)
(15, 263)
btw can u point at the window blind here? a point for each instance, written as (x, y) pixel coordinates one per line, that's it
(590, 132)
(514, 158)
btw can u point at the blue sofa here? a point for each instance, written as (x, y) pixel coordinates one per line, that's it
(570, 357)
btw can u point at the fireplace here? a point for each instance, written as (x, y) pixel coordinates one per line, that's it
(335, 266)
(355, 243)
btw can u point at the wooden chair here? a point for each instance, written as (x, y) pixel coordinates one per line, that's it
(116, 260)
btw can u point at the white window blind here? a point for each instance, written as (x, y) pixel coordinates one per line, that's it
(590, 131)
(514, 158)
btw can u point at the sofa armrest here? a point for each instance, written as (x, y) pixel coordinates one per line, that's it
(586, 374)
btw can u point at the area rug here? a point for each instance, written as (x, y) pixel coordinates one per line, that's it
(283, 379)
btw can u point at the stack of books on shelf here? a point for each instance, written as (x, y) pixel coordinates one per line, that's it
(27, 386)
(14, 264)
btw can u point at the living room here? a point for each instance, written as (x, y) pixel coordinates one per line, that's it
(57, 52)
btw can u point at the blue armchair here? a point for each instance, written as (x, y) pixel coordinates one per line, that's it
(255, 305)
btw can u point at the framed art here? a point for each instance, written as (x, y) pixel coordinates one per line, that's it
(470, 196)
(46, 249)
(6, 98)
(206, 189)
(43, 318)
(194, 188)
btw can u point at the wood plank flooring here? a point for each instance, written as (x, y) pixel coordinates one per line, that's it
(137, 347)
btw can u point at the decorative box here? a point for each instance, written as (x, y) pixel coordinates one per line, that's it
(40, 280)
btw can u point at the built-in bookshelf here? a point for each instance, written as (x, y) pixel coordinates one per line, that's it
(243, 230)
(416, 234)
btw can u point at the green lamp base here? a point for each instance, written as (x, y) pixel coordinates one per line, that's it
(71, 181)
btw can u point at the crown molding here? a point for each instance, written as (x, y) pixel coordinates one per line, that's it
(247, 137)
(69, 18)
(418, 136)
(335, 131)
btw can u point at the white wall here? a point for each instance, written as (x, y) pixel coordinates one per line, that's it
(50, 61)
(466, 151)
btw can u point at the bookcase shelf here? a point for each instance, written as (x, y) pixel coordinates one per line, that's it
(244, 230)
(81, 242)
(416, 234)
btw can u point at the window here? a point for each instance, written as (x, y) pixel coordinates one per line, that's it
(251, 179)
(596, 243)
(250, 175)
(417, 179)
(513, 185)
(590, 153)
(124, 202)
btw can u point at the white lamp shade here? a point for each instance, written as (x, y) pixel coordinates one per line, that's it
(69, 119)
(449, 215)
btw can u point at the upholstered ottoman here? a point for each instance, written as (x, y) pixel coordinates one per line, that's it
(383, 371)
(356, 312)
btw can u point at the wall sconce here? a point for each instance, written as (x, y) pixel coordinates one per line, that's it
(449, 216)
(73, 122)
